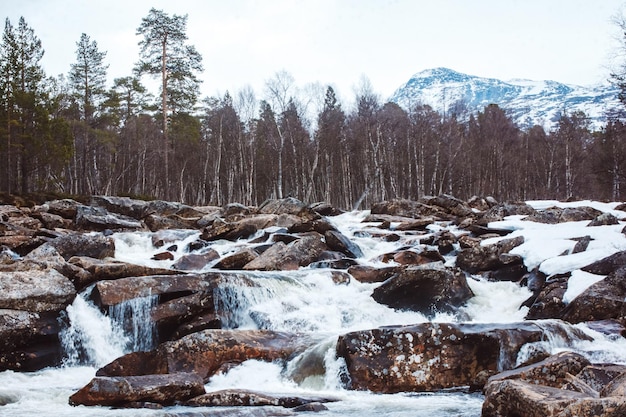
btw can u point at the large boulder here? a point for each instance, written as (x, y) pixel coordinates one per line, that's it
(205, 352)
(500, 211)
(489, 257)
(35, 290)
(427, 289)
(607, 265)
(563, 385)
(98, 218)
(519, 398)
(406, 208)
(123, 391)
(28, 340)
(339, 242)
(606, 299)
(547, 301)
(109, 293)
(450, 204)
(280, 256)
(434, 356)
(94, 245)
(554, 371)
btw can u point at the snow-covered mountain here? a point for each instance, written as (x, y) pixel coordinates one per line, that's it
(527, 102)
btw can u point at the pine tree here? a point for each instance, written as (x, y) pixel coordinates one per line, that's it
(23, 99)
(87, 79)
(165, 54)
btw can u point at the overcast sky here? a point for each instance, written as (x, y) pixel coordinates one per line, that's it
(337, 42)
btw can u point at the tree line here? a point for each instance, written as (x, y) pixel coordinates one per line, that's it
(75, 135)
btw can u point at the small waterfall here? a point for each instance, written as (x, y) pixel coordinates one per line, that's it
(134, 317)
(235, 298)
(93, 338)
(90, 337)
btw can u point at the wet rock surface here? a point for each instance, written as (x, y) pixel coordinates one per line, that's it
(52, 252)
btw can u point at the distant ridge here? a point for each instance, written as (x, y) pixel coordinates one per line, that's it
(528, 102)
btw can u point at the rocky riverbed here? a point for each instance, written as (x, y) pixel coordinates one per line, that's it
(62, 250)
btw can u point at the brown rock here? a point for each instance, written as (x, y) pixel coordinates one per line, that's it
(35, 290)
(290, 257)
(94, 246)
(207, 351)
(427, 289)
(551, 372)
(432, 356)
(239, 397)
(117, 391)
(519, 398)
(368, 274)
(28, 340)
(483, 258)
(237, 260)
(339, 242)
(195, 261)
(109, 293)
(603, 300)
(98, 218)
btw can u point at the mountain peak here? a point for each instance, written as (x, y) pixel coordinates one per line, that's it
(528, 102)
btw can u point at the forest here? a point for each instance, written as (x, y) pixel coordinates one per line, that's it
(75, 135)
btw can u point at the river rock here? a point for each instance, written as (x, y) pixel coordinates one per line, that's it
(287, 205)
(29, 340)
(137, 209)
(519, 398)
(205, 352)
(98, 218)
(604, 219)
(109, 293)
(500, 211)
(607, 265)
(195, 261)
(237, 260)
(547, 302)
(603, 300)
(66, 208)
(280, 256)
(488, 257)
(554, 371)
(406, 208)
(240, 397)
(170, 315)
(220, 229)
(118, 391)
(92, 245)
(432, 356)
(35, 290)
(109, 269)
(339, 242)
(369, 274)
(426, 289)
(450, 204)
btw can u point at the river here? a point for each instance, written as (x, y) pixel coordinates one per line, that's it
(306, 300)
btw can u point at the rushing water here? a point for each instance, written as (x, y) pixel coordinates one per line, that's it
(306, 300)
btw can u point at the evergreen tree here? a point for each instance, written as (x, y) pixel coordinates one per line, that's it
(165, 54)
(23, 99)
(87, 79)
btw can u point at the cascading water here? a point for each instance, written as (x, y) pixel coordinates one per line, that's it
(133, 317)
(90, 337)
(304, 301)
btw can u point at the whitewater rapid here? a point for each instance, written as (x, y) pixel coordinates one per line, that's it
(306, 300)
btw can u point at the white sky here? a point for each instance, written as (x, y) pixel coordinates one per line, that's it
(338, 42)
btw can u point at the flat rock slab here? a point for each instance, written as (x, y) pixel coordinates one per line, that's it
(161, 389)
(35, 290)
